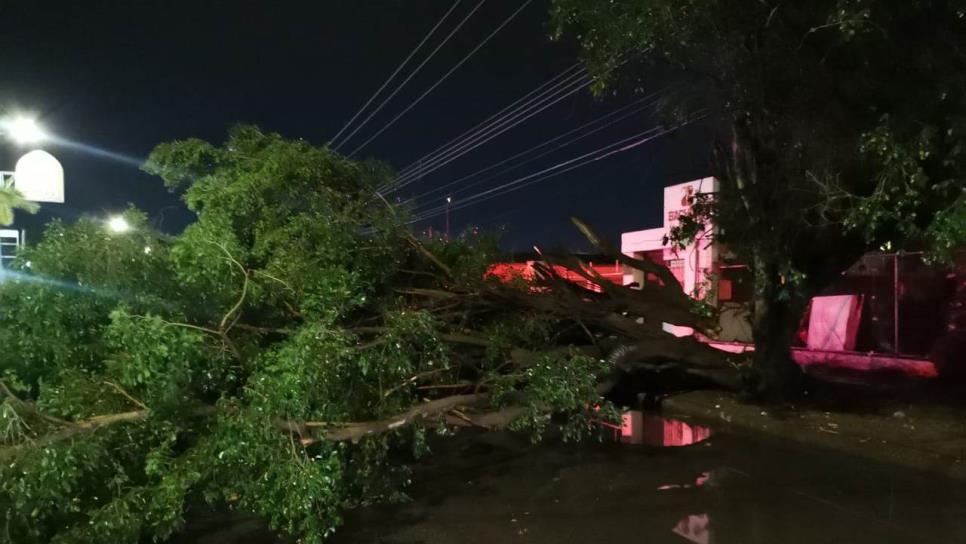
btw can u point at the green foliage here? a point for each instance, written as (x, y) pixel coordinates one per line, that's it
(90, 487)
(528, 331)
(57, 302)
(467, 256)
(565, 385)
(920, 194)
(165, 363)
(10, 200)
(257, 469)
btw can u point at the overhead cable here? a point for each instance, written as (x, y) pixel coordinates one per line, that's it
(634, 108)
(396, 71)
(581, 159)
(412, 74)
(508, 110)
(557, 169)
(459, 148)
(441, 80)
(491, 132)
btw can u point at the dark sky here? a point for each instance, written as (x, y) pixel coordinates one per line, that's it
(123, 76)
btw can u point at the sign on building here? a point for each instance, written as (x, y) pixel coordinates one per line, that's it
(40, 177)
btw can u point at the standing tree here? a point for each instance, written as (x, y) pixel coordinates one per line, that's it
(843, 128)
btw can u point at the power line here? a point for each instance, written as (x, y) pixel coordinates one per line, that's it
(458, 147)
(539, 89)
(396, 71)
(404, 178)
(560, 168)
(491, 133)
(412, 74)
(635, 107)
(515, 119)
(442, 79)
(581, 160)
(516, 185)
(441, 149)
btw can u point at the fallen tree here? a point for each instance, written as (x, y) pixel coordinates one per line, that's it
(279, 355)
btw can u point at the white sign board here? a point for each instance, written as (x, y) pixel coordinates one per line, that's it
(40, 177)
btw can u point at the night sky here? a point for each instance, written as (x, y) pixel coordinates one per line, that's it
(123, 76)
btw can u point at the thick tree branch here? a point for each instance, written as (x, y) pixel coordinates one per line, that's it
(429, 293)
(492, 420)
(650, 301)
(639, 264)
(69, 429)
(121, 391)
(73, 428)
(263, 330)
(224, 326)
(353, 432)
(429, 255)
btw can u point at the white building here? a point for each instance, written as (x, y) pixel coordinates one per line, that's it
(694, 265)
(698, 267)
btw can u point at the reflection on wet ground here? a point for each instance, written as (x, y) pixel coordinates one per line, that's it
(638, 427)
(719, 490)
(694, 528)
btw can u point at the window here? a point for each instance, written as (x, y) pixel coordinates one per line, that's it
(9, 242)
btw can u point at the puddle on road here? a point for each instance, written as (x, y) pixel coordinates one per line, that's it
(638, 427)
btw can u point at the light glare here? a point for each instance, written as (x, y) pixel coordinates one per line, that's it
(23, 130)
(118, 224)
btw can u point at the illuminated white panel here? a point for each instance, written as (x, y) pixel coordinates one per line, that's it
(40, 177)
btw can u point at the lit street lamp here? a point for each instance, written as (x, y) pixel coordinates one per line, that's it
(23, 130)
(118, 224)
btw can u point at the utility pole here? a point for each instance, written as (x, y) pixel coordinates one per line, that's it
(449, 200)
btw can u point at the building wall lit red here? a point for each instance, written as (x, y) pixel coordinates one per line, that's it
(509, 271)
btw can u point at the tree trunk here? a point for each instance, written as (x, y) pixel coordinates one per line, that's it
(775, 313)
(773, 327)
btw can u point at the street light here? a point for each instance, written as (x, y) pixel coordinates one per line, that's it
(23, 130)
(449, 200)
(118, 224)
